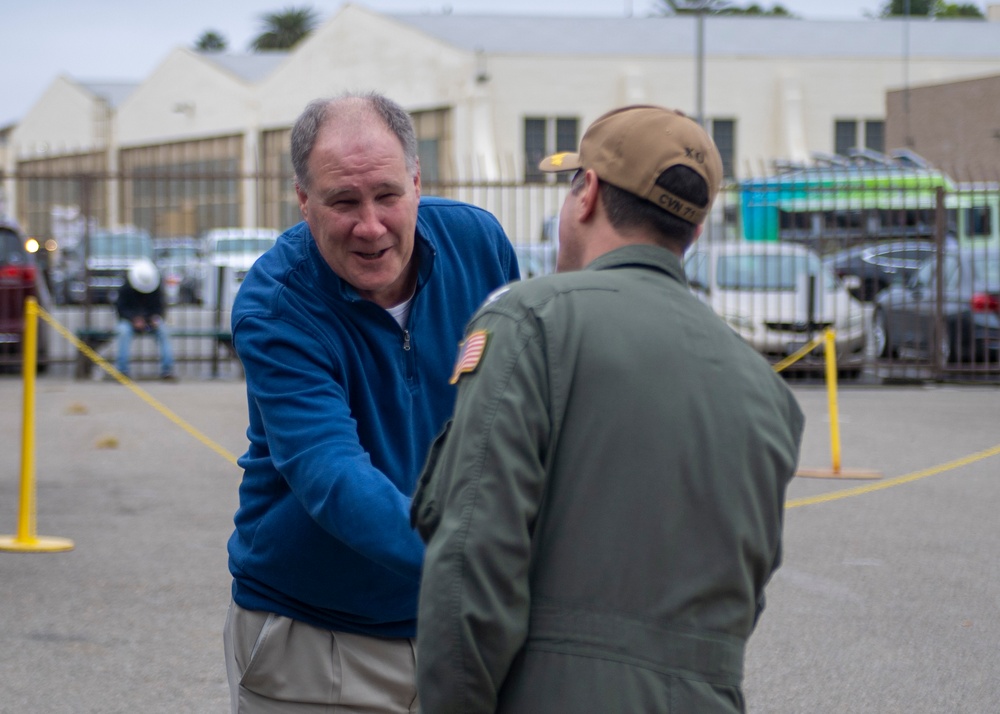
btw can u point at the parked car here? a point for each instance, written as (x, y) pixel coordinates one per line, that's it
(879, 265)
(762, 290)
(20, 278)
(181, 262)
(101, 265)
(534, 259)
(905, 318)
(539, 257)
(230, 252)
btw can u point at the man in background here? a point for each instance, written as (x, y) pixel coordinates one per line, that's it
(606, 508)
(347, 330)
(141, 310)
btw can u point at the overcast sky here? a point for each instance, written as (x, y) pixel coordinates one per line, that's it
(125, 40)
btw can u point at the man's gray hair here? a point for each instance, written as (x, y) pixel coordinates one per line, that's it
(320, 111)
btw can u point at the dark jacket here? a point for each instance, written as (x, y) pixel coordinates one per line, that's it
(606, 507)
(131, 303)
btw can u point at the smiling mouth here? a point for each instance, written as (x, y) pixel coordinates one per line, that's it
(372, 256)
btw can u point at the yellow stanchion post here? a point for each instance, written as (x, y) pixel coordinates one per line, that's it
(26, 539)
(830, 353)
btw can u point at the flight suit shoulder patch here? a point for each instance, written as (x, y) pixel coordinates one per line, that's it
(470, 353)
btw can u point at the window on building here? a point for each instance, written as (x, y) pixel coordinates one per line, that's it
(875, 135)
(277, 202)
(845, 136)
(433, 129)
(184, 188)
(47, 187)
(544, 136)
(724, 135)
(978, 223)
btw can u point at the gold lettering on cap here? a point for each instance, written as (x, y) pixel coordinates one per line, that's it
(696, 155)
(678, 208)
(557, 159)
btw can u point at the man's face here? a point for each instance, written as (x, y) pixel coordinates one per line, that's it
(361, 207)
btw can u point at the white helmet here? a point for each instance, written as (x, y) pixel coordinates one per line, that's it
(143, 276)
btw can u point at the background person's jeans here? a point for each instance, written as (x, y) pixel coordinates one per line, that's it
(125, 333)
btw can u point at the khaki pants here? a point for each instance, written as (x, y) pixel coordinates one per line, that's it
(276, 664)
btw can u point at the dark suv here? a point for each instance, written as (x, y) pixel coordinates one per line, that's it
(109, 256)
(19, 278)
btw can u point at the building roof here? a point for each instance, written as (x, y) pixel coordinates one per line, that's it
(249, 67)
(114, 93)
(724, 36)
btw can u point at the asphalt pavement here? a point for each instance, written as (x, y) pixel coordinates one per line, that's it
(886, 601)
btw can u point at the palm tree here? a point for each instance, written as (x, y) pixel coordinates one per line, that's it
(913, 8)
(717, 7)
(211, 41)
(934, 8)
(283, 30)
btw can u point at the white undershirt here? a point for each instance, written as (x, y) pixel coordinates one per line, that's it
(401, 312)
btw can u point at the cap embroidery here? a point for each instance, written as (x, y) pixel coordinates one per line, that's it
(557, 159)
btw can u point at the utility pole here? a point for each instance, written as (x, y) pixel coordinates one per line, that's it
(698, 8)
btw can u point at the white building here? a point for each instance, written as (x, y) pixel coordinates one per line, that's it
(489, 94)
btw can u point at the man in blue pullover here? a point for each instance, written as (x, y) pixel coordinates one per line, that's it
(347, 330)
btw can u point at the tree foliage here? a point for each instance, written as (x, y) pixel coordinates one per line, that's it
(285, 29)
(211, 41)
(719, 7)
(947, 9)
(930, 8)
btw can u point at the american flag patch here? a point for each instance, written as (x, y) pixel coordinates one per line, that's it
(469, 353)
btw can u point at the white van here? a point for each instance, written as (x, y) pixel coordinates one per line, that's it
(229, 253)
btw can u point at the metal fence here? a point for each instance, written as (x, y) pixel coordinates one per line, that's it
(782, 258)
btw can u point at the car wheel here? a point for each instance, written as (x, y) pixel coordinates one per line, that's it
(880, 335)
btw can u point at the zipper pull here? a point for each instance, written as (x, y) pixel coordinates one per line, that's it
(406, 340)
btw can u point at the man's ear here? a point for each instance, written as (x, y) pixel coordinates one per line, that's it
(590, 194)
(303, 199)
(697, 234)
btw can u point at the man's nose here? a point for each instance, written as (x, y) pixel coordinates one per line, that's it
(369, 223)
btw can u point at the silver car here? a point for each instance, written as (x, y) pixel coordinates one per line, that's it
(776, 296)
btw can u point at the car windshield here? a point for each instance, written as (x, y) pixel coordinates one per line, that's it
(177, 255)
(107, 245)
(11, 249)
(243, 245)
(768, 272)
(985, 271)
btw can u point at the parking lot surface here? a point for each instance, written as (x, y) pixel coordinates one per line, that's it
(886, 601)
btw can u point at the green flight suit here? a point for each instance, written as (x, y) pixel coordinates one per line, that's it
(605, 509)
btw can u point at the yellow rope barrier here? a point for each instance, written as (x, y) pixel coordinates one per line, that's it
(828, 338)
(141, 393)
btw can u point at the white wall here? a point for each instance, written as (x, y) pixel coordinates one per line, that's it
(186, 96)
(358, 50)
(65, 119)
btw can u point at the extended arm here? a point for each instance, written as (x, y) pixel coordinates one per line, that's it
(312, 437)
(477, 505)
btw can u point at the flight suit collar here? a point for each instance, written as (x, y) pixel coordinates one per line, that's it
(642, 256)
